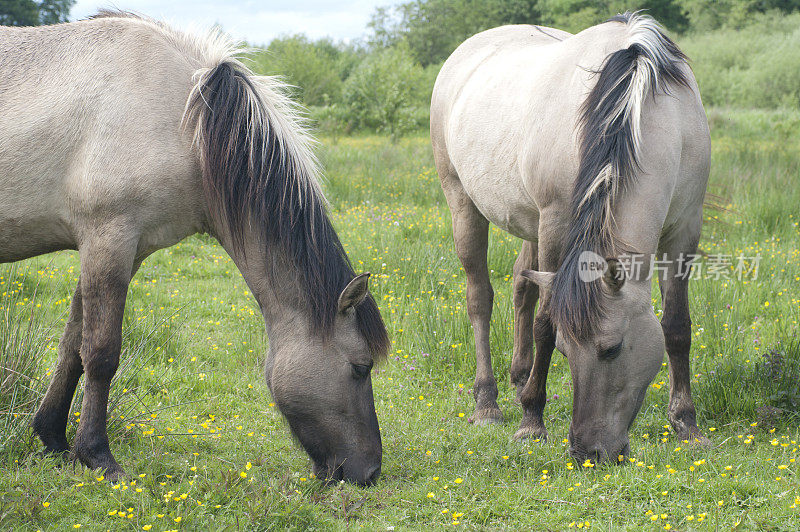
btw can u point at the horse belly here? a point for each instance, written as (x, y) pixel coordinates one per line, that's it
(33, 220)
(504, 203)
(22, 238)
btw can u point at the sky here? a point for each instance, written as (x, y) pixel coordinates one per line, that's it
(257, 22)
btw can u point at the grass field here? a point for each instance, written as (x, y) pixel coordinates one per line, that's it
(194, 426)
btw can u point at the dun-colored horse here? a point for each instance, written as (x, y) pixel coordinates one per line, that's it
(585, 146)
(120, 136)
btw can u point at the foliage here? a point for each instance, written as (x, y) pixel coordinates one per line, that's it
(705, 15)
(432, 29)
(32, 13)
(315, 68)
(756, 66)
(384, 92)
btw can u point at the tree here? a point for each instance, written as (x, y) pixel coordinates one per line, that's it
(432, 29)
(31, 13)
(55, 11)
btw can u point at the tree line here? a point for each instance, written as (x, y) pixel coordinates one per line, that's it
(746, 52)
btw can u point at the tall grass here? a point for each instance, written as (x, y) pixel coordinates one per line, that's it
(757, 66)
(27, 341)
(24, 340)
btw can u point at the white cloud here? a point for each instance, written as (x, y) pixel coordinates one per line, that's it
(257, 22)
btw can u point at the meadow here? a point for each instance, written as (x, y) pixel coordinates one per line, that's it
(192, 422)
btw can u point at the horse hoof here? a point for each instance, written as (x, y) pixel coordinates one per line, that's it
(486, 416)
(531, 433)
(695, 438)
(115, 474)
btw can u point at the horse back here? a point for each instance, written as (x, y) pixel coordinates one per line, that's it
(90, 134)
(506, 110)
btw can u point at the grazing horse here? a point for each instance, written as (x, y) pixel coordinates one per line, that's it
(585, 146)
(120, 136)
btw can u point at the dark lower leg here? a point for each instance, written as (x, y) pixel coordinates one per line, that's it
(526, 294)
(104, 288)
(534, 394)
(50, 421)
(676, 325)
(479, 299)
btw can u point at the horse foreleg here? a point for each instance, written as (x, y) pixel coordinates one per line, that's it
(534, 395)
(677, 326)
(471, 236)
(106, 269)
(50, 421)
(526, 294)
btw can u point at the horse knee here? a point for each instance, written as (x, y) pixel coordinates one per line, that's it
(100, 362)
(543, 329)
(480, 299)
(523, 290)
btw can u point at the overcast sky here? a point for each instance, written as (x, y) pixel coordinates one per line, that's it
(256, 21)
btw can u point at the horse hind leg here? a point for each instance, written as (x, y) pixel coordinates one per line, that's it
(50, 421)
(471, 236)
(107, 264)
(526, 294)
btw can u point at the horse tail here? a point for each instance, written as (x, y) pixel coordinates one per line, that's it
(610, 142)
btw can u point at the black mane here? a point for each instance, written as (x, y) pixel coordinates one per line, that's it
(607, 148)
(253, 174)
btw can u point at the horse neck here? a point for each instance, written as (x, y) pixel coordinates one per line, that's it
(274, 283)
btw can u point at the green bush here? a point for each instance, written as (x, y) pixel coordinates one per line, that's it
(315, 68)
(386, 93)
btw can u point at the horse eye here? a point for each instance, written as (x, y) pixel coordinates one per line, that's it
(611, 353)
(361, 371)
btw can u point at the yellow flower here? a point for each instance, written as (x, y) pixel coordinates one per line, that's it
(243, 474)
(147, 527)
(459, 480)
(45, 504)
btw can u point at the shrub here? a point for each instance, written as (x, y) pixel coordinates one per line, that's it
(311, 67)
(386, 93)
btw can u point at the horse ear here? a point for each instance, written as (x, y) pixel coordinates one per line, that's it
(614, 276)
(354, 293)
(543, 279)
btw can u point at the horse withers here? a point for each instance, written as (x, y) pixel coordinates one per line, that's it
(120, 136)
(594, 149)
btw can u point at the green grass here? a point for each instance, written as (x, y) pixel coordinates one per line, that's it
(191, 412)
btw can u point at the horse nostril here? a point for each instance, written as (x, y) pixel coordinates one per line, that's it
(373, 475)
